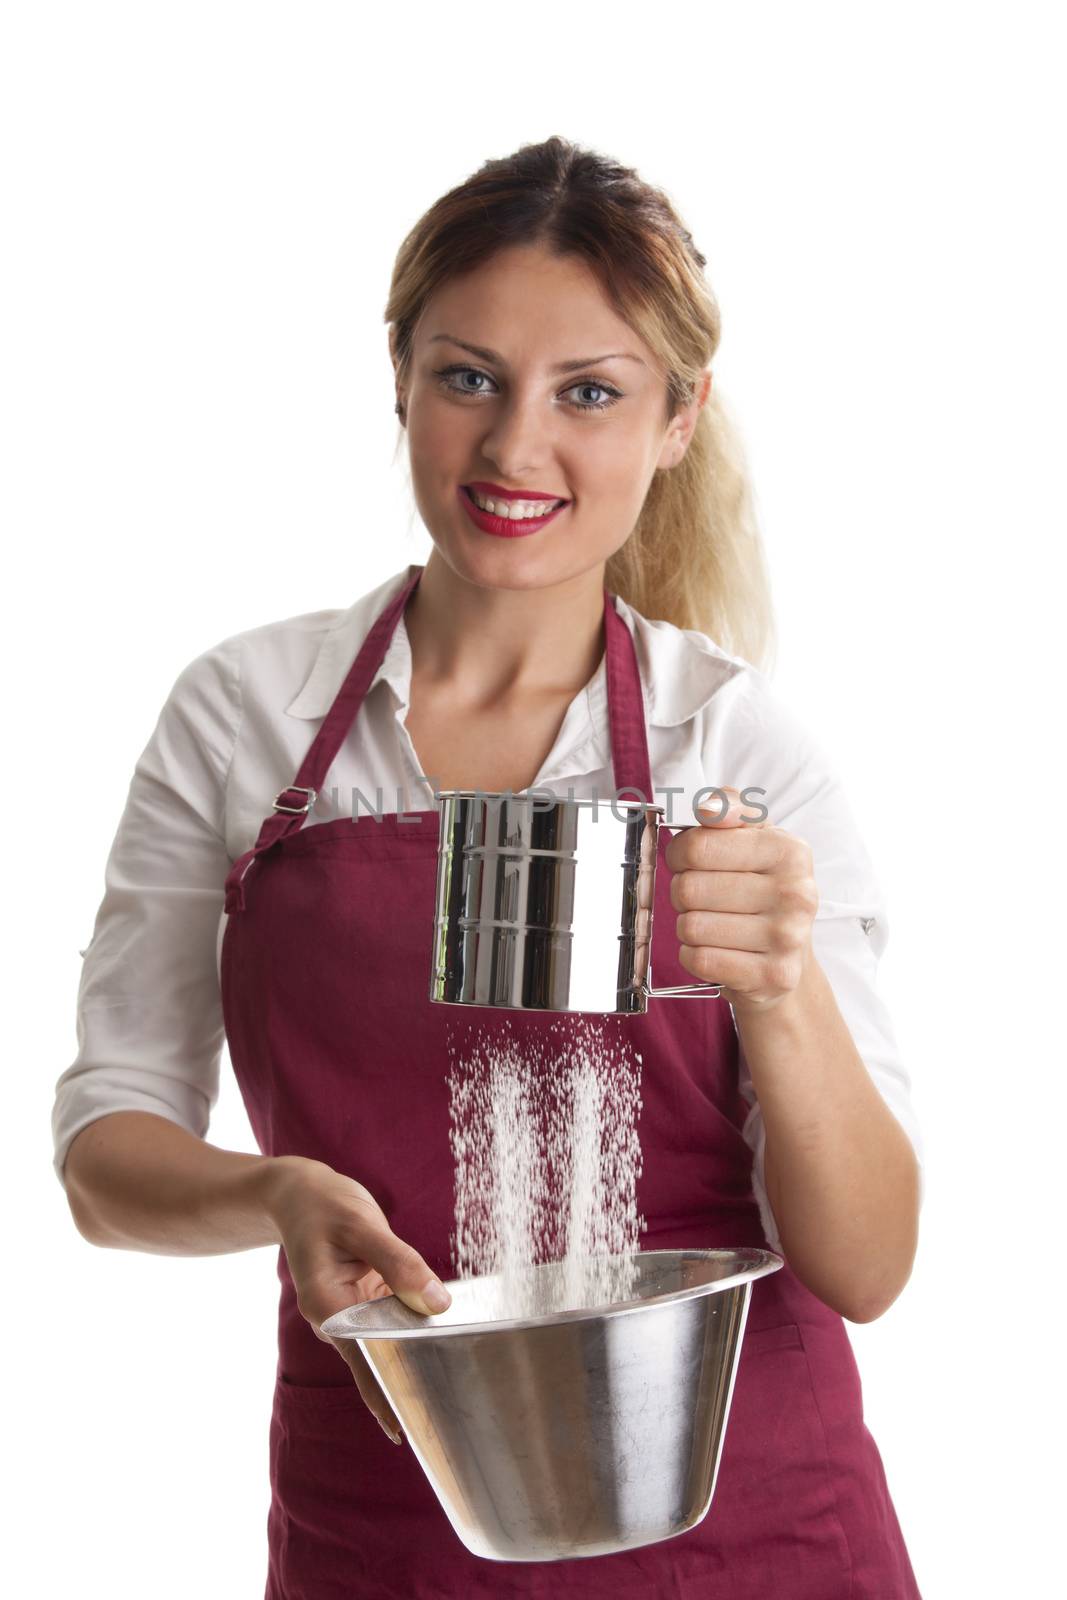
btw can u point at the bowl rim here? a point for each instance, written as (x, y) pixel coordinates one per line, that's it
(760, 1264)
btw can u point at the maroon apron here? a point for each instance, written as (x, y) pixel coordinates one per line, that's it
(341, 1056)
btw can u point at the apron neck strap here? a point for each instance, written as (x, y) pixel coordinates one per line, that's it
(626, 710)
(345, 709)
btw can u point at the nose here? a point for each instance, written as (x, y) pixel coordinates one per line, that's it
(518, 437)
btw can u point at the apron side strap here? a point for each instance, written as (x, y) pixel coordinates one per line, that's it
(289, 816)
(235, 894)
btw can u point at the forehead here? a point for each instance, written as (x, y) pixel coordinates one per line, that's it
(524, 301)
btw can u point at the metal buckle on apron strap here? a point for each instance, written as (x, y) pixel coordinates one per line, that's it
(295, 788)
(273, 829)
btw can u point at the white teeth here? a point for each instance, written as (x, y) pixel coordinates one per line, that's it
(515, 510)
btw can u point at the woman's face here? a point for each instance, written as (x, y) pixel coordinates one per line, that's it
(506, 414)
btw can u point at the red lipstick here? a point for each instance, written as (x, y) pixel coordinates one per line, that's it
(493, 491)
(506, 527)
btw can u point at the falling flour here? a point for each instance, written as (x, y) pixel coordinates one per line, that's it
(547, 1157)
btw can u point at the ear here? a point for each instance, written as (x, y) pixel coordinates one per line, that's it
(676, 442)
(400, 403)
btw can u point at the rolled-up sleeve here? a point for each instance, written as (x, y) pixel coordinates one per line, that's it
(149, 1011)
(851, 927)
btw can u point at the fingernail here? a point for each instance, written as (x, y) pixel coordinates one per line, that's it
(389, 1434)
(436, 1296)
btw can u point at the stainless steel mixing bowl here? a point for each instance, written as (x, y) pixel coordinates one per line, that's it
(578, 1433)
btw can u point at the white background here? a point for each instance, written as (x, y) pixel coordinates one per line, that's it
(202, 204)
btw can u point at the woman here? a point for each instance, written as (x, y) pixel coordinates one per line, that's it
(589, 618)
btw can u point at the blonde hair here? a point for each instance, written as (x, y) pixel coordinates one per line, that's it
(695, 556)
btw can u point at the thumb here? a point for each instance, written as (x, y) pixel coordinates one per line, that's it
(723, 809)
(407, 1274)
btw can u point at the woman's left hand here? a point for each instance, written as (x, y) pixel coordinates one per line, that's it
(746, 896)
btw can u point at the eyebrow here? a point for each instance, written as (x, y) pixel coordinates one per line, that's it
(560, 366)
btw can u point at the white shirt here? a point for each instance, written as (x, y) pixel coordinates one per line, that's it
(233, 732)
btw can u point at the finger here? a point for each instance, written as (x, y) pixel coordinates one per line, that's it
(744, 848)
(369, 1388)
(406, 1273)
(322, 1293)
(695, 890)
(646, 869)
(724, 930)
(741, 972)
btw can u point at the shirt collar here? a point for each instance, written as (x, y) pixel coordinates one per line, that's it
(681, 669)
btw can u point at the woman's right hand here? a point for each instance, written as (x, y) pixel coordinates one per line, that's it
(341, 1250)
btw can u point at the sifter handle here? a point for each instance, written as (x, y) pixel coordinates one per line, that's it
(687, 990)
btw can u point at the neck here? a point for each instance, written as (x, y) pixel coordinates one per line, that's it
(492, 645)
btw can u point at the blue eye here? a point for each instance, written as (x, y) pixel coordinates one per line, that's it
(590, 383)
(611, 395)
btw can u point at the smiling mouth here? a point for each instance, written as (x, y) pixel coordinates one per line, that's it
(545, 506)
(506, 526)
